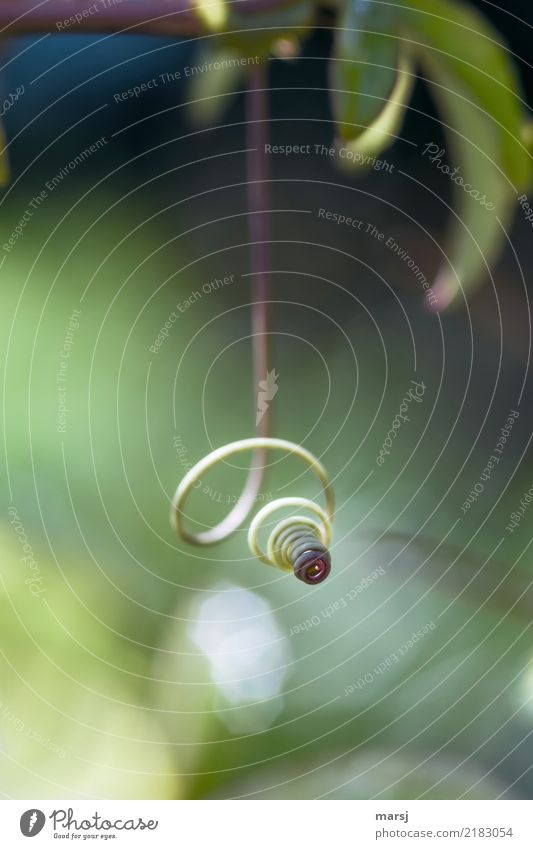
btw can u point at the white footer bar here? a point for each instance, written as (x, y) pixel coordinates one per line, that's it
(268, 824)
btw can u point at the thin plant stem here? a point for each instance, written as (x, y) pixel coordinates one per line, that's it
(258, 217)
(258, 200)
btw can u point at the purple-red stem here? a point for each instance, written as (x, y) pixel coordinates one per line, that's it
(257, 179)
(258, 228)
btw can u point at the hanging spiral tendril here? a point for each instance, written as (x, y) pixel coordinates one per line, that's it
(297, 543)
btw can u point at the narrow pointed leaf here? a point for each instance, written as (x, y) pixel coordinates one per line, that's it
(363, 66)
(463, 43)
(384, 130)
(478, 94)
(209, 92)
(484, 198)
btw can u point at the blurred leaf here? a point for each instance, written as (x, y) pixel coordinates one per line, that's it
(5, 172)
(466, 47)
(527, 136)
(478, 231)
(363, 74)
(213, 13)
(478, 94)
(384, 130)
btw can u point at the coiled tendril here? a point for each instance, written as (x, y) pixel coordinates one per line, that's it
(296, 543)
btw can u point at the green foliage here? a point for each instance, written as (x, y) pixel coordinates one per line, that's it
(476, 88)
(450, 36)
(478, 93)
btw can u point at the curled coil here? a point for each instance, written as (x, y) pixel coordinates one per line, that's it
(297, 543)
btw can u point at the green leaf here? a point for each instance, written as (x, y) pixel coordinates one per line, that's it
(383, 131)
(209, 90)
(484, 196)
(478, 94)
(363, 66)
(462, 42)
(213, 13)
